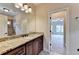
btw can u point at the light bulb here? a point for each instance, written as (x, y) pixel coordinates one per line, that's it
(26, 6)
(22, 9)
(26, 11)
(17, 6)
(8, 22)
(30, 9)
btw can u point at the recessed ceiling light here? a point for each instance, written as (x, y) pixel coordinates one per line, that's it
(5, 9)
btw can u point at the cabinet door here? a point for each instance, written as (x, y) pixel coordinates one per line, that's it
(29, 48)
(35, 47)
(40, 45)
(18, 51)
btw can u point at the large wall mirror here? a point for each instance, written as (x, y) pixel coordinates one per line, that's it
(12, 20)
(10, 26)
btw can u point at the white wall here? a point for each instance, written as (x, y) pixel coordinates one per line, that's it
(42, 24)
(74, 29)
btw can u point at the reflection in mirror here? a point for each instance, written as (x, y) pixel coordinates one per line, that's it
(11, 29)
(6, 25)
(14, 21)
(3, 25)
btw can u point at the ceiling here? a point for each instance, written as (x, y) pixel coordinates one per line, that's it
(13, 11)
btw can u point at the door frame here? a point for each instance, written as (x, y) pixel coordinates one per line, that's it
(66, 27)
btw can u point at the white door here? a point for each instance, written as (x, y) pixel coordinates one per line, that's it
(57, 33)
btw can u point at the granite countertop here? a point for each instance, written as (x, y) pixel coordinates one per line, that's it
(8, 45)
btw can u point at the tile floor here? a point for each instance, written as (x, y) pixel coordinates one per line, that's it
(57, 46)
(46, 53)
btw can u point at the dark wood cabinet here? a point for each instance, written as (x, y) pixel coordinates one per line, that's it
(40, 44)
(29, 48)
(18, 51)
(33, 47)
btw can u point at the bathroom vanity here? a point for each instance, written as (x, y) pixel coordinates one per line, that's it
(28, 45)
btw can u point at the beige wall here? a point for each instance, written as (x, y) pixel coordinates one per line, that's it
(60, 14)
(42, 24)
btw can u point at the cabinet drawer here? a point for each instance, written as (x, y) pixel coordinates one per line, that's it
(17, 51)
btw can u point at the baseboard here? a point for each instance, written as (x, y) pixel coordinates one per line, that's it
(46, 50)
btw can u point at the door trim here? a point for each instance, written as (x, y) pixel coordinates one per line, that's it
(66, 25)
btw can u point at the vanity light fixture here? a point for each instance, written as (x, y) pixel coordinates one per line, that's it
(24, 7)
(30, 9)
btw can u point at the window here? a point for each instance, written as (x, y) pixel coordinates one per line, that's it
(59, 28)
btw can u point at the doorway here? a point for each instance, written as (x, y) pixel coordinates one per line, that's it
(11, 29)
(57, 33)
